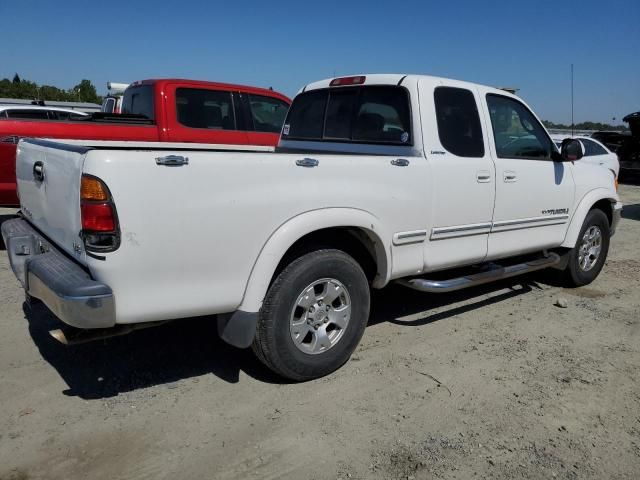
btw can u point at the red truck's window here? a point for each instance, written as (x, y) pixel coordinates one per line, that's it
(268, 113)
(200, 108)
(138, 101)
(368, 114)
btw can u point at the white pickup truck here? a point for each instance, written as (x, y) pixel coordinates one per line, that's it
(434, 183)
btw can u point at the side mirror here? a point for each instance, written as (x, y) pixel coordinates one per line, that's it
(571, 150)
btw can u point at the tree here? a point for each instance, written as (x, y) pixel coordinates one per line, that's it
(86, 92)
(16, 78)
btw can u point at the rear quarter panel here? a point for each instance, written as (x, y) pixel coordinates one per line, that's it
(192, 234)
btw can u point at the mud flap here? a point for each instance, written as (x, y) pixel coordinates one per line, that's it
(238, 328)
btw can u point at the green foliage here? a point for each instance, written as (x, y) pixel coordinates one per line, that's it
(585, 126)
(85, 91)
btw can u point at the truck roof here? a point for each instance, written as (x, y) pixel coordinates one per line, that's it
(399, 79)
(202, 83)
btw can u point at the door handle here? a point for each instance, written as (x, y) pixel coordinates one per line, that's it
(483, 176)
(172, 160)
(510, 176)
(400, 162)
(38, 171)
(307, 162)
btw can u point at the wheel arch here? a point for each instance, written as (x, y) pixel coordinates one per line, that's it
(342, 228)
(601, 199)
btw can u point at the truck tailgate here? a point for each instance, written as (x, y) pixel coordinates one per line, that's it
(48, 178)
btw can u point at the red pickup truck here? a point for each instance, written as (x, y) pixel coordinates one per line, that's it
(167, 110)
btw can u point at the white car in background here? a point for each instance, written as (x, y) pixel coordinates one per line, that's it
(39, 112)
(594, 152)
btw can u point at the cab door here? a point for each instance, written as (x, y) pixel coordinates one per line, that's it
(462, 171)
(534, 193)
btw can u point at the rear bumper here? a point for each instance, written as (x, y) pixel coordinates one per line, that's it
(49, 275)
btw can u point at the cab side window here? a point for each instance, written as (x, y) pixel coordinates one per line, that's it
(516, 132)
(267, 113)
(200, 108)
(458, 122)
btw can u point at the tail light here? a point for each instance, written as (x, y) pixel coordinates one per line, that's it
(100, 229)
(339, 82)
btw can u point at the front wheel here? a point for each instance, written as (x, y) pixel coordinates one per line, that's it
(587, 258)
(313, 315)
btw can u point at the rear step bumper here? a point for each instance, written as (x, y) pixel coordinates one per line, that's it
(62, 285)
(452, 284)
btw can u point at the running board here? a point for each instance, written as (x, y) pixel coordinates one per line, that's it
(499, 273)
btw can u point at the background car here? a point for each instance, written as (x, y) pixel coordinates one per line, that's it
(594, 152)
(37, 112)
(612, 140)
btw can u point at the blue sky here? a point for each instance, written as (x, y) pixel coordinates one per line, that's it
(529, 45)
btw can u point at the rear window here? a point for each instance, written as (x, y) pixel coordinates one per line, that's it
(109, 105)
(369, 114)
(592, 148)
(200, 108)
(138, 101)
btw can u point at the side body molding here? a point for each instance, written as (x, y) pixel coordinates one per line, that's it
(299, 226)
(592, 197)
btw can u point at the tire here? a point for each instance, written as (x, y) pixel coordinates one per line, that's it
(295, 337)
(575, 273)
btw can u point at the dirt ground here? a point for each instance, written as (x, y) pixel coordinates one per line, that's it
(494, 382)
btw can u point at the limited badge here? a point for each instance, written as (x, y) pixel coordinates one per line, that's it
(404, 137)
(285, 130)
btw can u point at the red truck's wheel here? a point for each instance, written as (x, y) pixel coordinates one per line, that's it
(313, 315)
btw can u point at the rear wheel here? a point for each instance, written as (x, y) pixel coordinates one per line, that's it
(313, 315)
(587, 258)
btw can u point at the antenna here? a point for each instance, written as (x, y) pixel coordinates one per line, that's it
(572, 99)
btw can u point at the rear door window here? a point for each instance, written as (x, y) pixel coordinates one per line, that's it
(369, 114)
(458, 122)
(202, 108)
(268, 113)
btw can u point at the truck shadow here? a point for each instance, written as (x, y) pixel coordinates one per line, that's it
(631, 212)
(190, 348)
(179, 350)
(414, 308)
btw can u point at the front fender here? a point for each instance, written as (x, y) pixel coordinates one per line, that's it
(299, 226)
(588, 201)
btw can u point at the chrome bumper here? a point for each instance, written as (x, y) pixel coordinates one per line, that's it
(49, 275)
(617, 214)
